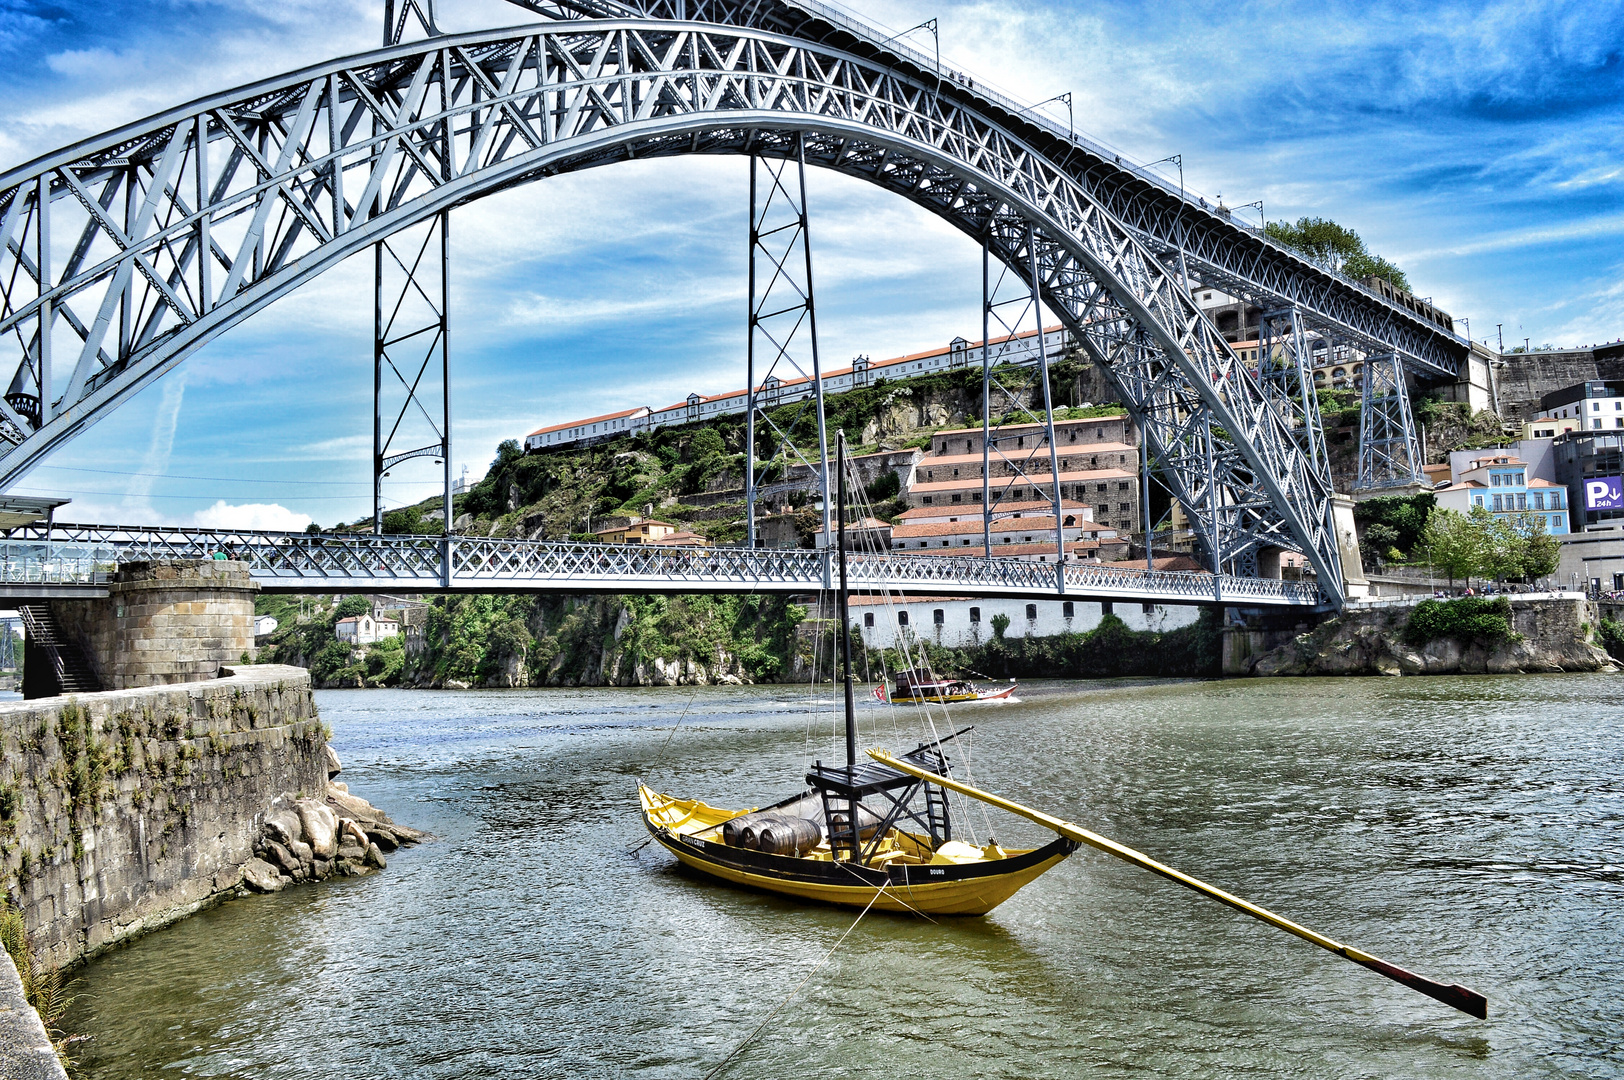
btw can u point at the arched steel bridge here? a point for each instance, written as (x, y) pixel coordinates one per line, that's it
(123, 254)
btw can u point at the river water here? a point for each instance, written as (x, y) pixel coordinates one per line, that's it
(1471, 829)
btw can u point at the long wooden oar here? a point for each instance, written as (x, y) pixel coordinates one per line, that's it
(1467, 1001)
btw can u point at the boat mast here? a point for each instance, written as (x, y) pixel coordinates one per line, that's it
(845, 613)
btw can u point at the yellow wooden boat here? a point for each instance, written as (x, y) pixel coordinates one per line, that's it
(827, 844)
(897, 869)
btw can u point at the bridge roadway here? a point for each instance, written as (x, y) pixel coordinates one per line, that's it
(75, 560)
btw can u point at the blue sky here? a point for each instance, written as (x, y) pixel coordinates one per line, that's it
(1479, 146)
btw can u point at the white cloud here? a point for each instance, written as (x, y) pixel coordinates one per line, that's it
(271, 516)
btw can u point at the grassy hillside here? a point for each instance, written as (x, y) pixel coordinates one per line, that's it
(555, 495)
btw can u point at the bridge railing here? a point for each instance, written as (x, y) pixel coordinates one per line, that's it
(87, 553)
(56, 564)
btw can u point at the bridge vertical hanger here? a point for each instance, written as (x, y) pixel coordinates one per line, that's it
(1389, 452)
(1286, 374)
(400, 15)
(412, 317)
(1016, 350)
(782, 318)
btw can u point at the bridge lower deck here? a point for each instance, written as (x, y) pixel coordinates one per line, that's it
(78, 560)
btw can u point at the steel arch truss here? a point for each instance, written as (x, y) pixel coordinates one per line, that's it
(120, 256)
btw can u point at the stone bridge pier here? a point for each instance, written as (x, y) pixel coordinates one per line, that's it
(161, 622)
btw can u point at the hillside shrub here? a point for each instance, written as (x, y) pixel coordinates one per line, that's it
(1465, 619)
(1611, 633)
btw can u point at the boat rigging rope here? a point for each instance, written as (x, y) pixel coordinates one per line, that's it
(717, 1071)
(905, 649)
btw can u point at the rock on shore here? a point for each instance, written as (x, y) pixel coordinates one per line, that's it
(1550, 636)
(308, 839)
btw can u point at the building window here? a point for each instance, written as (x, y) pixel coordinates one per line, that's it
(1031, 613)
(939, 617)
(1556, 521)
(975, 615)
(1556, 501)
(1068, 609)
(1539, 500)
(902, 618)
(958, 498)
(868, 619)
(1478, 499)
(1522, 500)
(925, 500)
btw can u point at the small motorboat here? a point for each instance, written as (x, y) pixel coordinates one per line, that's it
(921, 684)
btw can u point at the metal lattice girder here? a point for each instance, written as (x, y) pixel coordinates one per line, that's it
(1286, 371)
(1389, 452)
(1008, 314)
(1240, 260)
(296, 562)
(783, 321)
(185, 224)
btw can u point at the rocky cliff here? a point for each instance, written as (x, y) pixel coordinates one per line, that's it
(1547, 635)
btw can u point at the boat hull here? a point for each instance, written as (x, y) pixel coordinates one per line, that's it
(970, 888)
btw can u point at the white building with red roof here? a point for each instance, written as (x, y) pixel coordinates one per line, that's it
(1017, 349)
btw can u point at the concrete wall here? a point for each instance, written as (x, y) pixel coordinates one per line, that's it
(1593, 556)
(125, 810)
(957, 631)
(1527, 377)
(164, 622)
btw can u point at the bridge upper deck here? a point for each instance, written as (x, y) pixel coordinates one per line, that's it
(66, 559)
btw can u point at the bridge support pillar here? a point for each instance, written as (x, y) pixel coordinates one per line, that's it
(1389, 452)
(164, 622)
(1347, 542)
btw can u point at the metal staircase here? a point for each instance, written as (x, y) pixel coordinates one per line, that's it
(69, 666)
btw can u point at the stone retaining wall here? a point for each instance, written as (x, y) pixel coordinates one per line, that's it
(123, 811)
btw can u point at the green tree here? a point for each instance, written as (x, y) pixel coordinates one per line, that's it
(1000, 623)
(351, 605)
(1378, 540)
(1341, 246)
(1539, 551)
(1406, 515)
(385, 661)
(1454, 544)
(507, 450)
(1503, 545)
